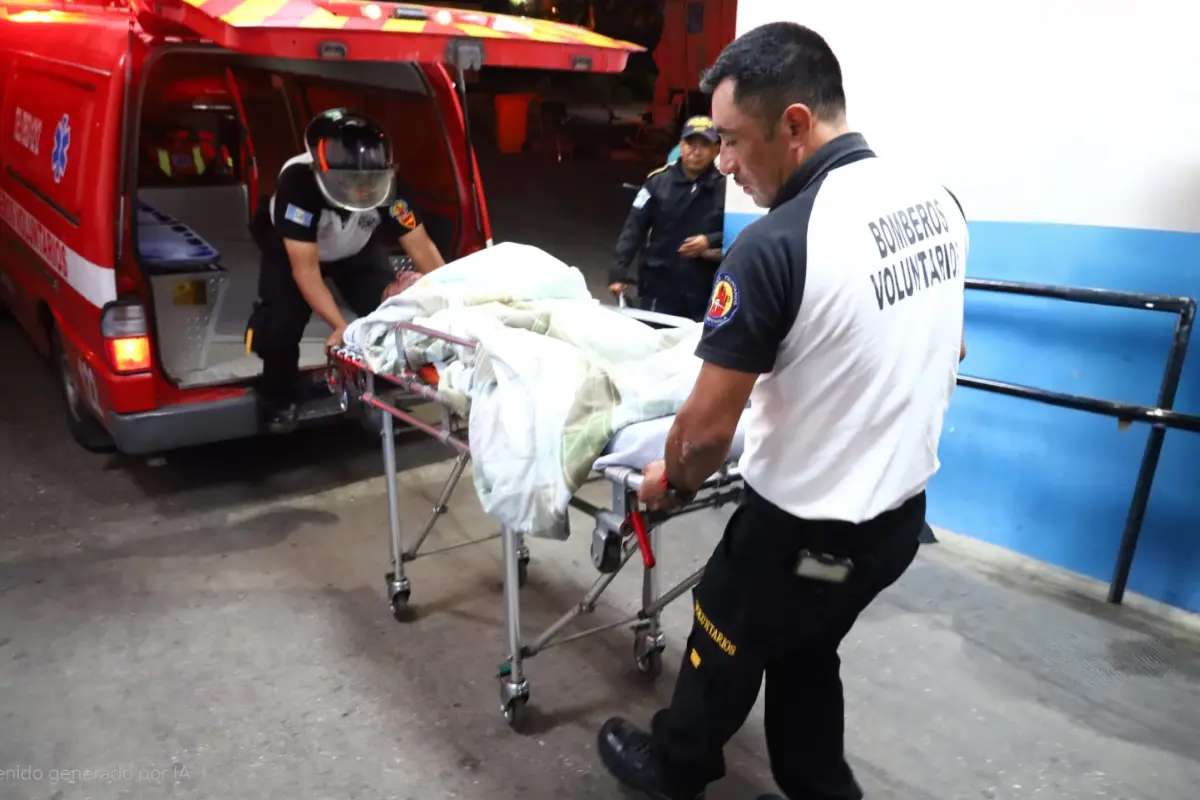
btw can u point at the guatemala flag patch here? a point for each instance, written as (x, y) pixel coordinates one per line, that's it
(298, 215)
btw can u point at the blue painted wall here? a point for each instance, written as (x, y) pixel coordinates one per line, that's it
(1056, 484)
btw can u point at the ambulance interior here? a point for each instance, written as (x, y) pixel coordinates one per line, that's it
(214, 132)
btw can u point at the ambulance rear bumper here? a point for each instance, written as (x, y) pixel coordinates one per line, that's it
(185, 425)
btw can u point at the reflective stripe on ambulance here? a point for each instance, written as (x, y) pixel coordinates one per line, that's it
(95, 283)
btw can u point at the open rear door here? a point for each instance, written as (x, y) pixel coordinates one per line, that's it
(364, 31)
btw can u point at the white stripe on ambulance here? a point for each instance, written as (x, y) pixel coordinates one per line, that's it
(93, 282)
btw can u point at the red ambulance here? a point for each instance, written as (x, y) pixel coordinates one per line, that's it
(140, 134)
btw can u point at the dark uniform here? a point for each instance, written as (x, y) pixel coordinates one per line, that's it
(668, 209)
(846, 300)
(351, 248)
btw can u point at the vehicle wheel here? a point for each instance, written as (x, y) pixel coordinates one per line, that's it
(371, 419)
(85, 429)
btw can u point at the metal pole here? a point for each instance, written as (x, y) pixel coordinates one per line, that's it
(1145, 478)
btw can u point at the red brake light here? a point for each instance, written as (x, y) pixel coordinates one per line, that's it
(131, 354)
(126, 340)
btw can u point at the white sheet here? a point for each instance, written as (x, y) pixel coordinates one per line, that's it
(555, 375)
(643, 443)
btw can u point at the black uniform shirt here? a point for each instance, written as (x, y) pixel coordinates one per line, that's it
(668, 209)
(299, 211)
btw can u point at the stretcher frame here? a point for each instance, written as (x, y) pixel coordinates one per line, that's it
(620, 531)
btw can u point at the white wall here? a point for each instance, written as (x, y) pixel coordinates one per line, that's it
(1069, 111)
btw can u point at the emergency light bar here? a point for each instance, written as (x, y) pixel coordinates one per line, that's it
(61, 5)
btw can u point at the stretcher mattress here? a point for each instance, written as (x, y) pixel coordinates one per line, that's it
(167, 243)
(643, 443)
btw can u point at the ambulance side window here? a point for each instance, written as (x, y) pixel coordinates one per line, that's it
(45, 131)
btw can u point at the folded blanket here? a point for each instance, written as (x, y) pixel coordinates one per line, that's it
(554, 375)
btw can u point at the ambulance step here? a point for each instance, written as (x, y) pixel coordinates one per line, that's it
(320, 408)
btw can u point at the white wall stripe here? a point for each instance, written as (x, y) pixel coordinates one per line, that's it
(95, 283)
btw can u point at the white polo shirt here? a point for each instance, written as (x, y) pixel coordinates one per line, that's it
(847, 300)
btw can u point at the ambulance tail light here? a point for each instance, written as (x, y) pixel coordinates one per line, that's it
(126, 342)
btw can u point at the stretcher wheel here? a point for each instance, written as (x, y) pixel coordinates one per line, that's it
(651, 664)
(401, 610)
(516, 712)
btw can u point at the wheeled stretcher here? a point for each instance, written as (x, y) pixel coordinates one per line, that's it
(621, 530)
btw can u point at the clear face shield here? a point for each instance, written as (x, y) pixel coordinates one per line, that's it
(357, 190)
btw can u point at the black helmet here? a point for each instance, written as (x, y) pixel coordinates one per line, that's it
(352, 159)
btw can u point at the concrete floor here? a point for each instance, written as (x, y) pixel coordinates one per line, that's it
(215, 628)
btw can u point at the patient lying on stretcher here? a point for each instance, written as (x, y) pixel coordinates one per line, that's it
(554, 375)
(634, 446)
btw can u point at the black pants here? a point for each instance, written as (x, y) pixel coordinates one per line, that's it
(281, 313)
(692, 308)
(753, 616)
(680, 291)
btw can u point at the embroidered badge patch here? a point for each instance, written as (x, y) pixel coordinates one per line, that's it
(724, 302)
(403, 214)
(298, 215)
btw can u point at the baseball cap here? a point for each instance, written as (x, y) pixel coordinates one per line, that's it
(702, 127)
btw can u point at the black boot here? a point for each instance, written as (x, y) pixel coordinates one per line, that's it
(281, 417)
(625, 751)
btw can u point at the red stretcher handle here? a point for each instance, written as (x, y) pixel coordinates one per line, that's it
(643, 537)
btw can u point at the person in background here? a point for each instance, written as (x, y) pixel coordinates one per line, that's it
(676, 226)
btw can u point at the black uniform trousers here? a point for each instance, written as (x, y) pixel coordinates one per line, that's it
(693, 308)
(684, 290)
(281, 313)
(754, 617)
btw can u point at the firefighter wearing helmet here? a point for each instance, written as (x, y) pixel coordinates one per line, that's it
(335, 208)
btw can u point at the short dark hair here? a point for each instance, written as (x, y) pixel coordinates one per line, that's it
(776, 65)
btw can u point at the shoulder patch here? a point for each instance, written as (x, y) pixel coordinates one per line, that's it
(402, 213)
(724, 302)
(298, 215)
(643, 197)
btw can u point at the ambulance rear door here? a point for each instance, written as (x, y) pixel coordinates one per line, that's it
(358, 31)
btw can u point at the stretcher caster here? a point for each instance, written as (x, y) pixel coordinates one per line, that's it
(516, 712)
(648, 654)
(398, 594)
(514, 698)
